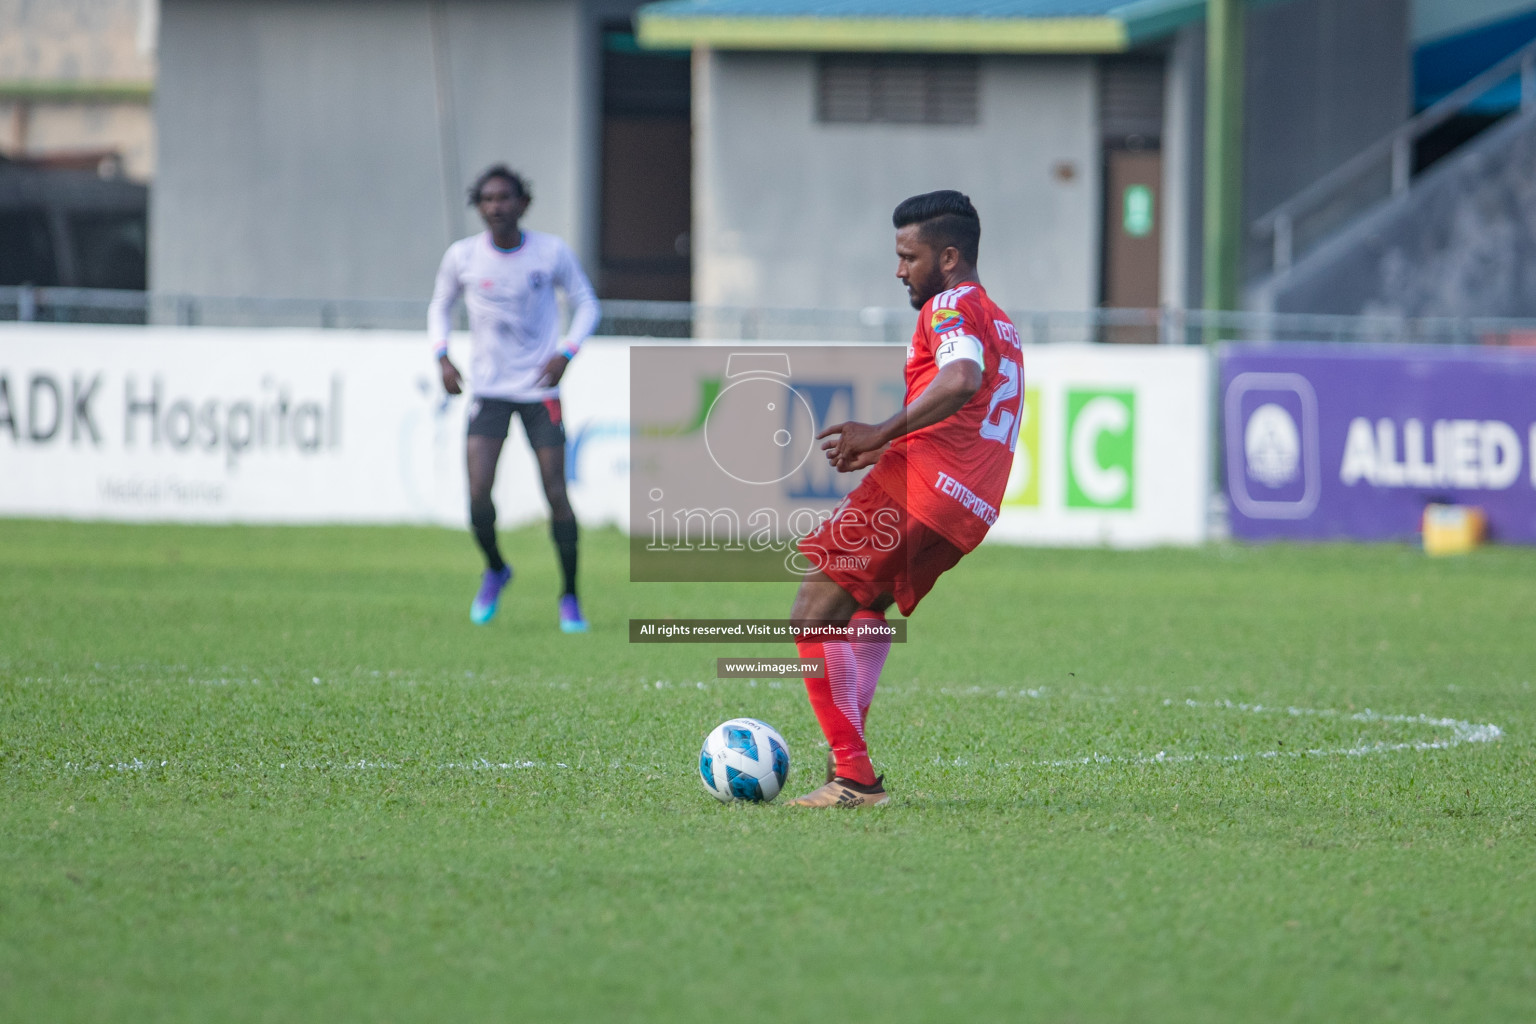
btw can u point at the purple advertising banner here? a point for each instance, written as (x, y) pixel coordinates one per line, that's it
(1336, 441)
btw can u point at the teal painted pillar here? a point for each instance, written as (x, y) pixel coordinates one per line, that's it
(1223, 155)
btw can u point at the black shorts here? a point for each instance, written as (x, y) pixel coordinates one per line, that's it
(492, 417)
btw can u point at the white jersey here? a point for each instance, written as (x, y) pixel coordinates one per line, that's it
(514, 321)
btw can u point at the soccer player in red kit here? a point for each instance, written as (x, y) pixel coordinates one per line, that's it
(940, 466)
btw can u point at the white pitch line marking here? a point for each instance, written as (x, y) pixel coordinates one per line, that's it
(1461, 732)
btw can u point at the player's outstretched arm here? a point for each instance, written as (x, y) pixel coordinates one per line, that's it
(856, 445)
(445, 293)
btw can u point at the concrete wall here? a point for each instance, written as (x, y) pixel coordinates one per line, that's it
(306, 148)
(58, 129)
(1325, 79)
(69, 44)
(790, 212)
(1461, 243)
(77, 40)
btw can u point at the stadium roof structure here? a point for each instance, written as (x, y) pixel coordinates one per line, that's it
(953, 26)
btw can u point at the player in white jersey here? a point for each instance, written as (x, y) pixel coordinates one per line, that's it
(508, 276)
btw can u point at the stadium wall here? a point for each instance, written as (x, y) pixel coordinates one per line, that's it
(796, 213)
(322, 149)
(305, 426)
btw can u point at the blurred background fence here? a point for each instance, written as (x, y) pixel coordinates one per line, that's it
(633, 318)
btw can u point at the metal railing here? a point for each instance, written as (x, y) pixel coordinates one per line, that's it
(73, 305)
(682, 320)
(1381, 172)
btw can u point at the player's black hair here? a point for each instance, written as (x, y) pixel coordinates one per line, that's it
(507, 174)
(944, 218)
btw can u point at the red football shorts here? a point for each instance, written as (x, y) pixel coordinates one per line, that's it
(871, 548)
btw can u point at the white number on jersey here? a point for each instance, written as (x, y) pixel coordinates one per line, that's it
(1002, 425)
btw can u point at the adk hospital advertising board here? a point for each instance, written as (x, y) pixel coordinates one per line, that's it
(312, 426)
(1353, 441)
(267, 426)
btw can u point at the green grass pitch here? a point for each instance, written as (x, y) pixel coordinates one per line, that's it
(276, 775)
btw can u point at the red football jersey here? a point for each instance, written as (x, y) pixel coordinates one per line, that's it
(951, 474)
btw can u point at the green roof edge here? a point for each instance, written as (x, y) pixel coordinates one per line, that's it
(1137, 22)
(1146, 20)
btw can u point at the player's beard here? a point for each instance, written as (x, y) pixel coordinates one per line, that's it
(919, 292)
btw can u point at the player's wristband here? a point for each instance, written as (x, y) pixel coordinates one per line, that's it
(440, 352)
(568, 350)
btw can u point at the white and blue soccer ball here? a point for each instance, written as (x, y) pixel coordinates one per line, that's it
(744, 759)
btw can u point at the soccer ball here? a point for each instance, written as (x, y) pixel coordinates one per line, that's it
(744, 759)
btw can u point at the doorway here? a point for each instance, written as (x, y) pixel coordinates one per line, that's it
(1133, 199)
(1131, 98)
(647, 171)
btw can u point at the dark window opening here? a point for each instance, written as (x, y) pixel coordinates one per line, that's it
(896, 89)
(26, 250)
(109, 250)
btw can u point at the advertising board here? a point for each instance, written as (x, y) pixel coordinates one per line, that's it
(274, 426)
(1354, 441)
(1113, 448)
(290, 426)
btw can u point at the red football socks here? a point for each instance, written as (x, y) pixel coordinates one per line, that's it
(835, 699)
(869, 655)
